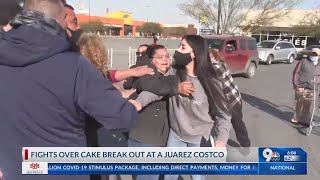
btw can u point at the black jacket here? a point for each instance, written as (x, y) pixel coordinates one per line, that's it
(46, 90)
(152, 126)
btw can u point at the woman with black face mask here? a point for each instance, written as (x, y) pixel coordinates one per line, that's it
(206, 111)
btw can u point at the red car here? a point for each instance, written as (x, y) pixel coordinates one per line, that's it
(239, 53)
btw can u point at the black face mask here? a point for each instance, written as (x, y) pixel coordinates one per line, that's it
(75, 35)
(182, 59)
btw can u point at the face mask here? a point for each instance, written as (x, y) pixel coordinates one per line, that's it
(75, 35)
(182, 59)
(314, 58)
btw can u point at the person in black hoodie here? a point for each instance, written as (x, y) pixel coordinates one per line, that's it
(46, 89)
(152, 127)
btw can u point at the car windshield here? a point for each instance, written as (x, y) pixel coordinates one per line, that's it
(266, 44)
(215, 43)
(311, 47)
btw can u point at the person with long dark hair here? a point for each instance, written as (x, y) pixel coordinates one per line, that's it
(193, 118)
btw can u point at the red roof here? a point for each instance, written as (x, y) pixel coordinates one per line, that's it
(85, 19)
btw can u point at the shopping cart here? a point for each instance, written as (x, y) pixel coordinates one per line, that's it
(315, 104)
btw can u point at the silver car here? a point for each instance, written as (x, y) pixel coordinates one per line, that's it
(271, 51)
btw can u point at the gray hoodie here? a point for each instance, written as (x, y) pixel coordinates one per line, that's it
(190, 118)
(304, 72)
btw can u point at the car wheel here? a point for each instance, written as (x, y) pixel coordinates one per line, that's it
(269, 59)
(251, 71)
(291, 59)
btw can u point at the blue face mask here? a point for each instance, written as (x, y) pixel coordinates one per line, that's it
(314, 58)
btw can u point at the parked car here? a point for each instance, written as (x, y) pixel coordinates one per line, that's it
(239, 53)
(306, 52)
(272, 50)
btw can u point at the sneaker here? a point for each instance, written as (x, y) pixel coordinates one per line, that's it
(304, 124)
(294, 121)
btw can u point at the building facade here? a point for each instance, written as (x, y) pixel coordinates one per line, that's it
(116, 24)
(283, 28)
(121, 23)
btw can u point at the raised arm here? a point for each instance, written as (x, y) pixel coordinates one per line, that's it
(120, 75)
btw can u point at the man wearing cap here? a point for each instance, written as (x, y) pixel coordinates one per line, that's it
(302, 80)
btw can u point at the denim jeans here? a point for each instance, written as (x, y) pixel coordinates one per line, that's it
(173, 141)
(133, 143)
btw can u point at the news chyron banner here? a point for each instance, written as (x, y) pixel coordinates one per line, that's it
(167, 160)
(283, 161)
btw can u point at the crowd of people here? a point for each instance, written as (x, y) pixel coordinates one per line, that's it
(57, 90)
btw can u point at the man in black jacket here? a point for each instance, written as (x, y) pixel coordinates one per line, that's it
(47, 89)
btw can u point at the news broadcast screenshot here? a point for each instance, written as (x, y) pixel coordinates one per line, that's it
(159, 89)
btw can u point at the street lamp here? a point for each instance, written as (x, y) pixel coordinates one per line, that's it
(147, 6)
(219, 16)
(89, 11)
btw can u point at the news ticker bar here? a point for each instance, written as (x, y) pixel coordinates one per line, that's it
(161, 155)
(125, 154)
(165, 168)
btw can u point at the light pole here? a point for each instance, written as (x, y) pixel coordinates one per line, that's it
(147, 6)
(219, 16)
(89, 11)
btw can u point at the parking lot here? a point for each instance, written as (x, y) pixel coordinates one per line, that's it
(268, 100)
(121, 47)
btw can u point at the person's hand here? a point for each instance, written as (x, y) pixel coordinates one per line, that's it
(127, 93)
(186, 88)
(1, 174)
(117, 87)
(141, 71)
(136, 104)
(219, 144)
